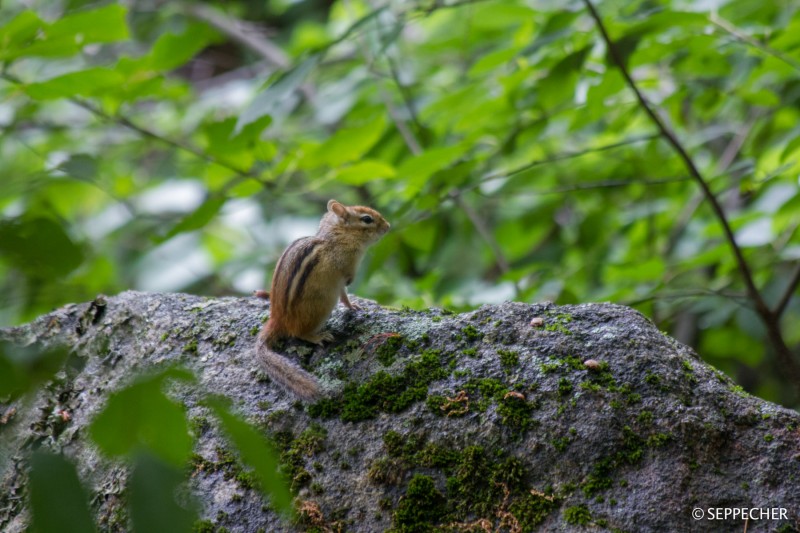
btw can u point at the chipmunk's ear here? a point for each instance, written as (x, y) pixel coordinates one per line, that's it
(337, 209)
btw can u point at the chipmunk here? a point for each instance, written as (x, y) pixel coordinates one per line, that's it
(310, 276)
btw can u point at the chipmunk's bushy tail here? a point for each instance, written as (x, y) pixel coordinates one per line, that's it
(287, 374)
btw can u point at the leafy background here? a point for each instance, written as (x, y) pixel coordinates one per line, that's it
(179, 146)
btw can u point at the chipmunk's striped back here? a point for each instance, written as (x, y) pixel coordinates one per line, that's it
(309, 278)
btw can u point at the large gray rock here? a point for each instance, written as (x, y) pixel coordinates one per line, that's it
(480, 421)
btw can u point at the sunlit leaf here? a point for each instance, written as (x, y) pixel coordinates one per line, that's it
(416, 170)
(650, 270)
(559, 84)
(171, 51)
(102, 25)
(730, 342)
(82, 83)
(16, 33)
(498, 15)
(347, 144)
(364, 172)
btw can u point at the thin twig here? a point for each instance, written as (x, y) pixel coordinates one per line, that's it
(243, 32)
(738, 297)
(687, 161)
(408, 136)
(405, 92)
(743, 37)
(128, 123)
(734, 147)
(729, 155)
(567, 155)
(500, 258)
(788, 292)
(765, 313)
(125, 121)
(608, 184)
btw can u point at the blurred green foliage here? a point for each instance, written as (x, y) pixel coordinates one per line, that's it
(182, 145)
(58, 500)
(141, 425)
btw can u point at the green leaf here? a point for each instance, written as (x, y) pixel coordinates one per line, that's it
(256, 452)
(558, 25)
(17, 33)
(364, 172)
(650, 270)
(58, 500)
(421, 236)
(171, 51)
(275, 96)
(492, 60)
(236, 149)
(559, 85)
(732, 343)
(80, 166)
(347, 144)
(103, 25)
(24, 368)
(417, 169)
(154, 487)
(82, 83)
(39, 246)
(790, 147)
(197, 219)
(142, 416)
(501, 15)
(625, 47)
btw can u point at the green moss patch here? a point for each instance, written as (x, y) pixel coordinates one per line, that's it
(577, 515)
(477, 485)
(508, 359)
(228, 464)
(387, 352)
(421, 506)
(471, 333)
(385, 392)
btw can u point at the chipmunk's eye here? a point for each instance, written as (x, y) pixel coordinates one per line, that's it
(366, 219)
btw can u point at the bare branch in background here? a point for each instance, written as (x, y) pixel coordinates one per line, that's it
(729, 155)
(743, 37)
(480, 225)
(128, 123)
(787, 294)
(567, 155)
(767, 316)
(245, 33)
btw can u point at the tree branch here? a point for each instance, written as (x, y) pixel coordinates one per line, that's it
(743, 37)
(245, 33)
(765, 313)
(128, 123)
(609, 184)
(500, 258)
(670, 137)
(567, 155)
(787, 293)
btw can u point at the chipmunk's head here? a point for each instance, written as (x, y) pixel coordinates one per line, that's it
(363, 222)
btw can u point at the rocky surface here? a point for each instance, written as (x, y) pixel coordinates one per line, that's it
(514, 417)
